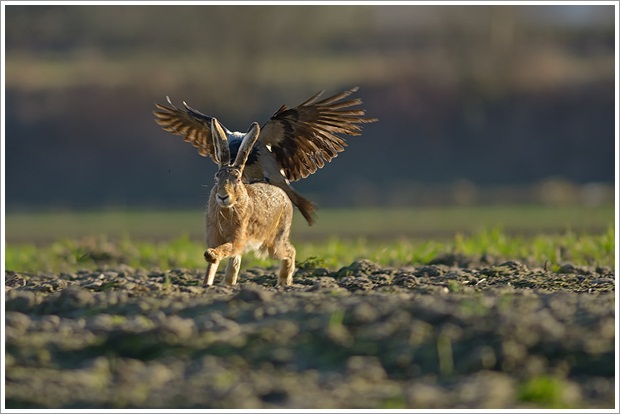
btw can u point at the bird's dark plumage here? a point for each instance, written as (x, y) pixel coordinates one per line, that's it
(292, 144)
(234, 144)
(304, 138)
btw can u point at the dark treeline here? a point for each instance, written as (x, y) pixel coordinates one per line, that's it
(472, 101)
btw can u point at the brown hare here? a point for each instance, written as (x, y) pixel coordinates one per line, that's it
(244, 216)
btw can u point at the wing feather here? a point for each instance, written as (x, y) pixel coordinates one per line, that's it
(311, 100)
(304, 138)
(192, 125)
(337, 97)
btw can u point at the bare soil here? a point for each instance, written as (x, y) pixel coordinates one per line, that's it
(456, 333)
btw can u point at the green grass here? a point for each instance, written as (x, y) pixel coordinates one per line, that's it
(69, 255)
(67, 241)
(544, 391)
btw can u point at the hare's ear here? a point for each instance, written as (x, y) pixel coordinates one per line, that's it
(222, 152)
(246, 146)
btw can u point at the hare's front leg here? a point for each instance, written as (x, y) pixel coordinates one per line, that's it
(210, 275)
(232, 270)
(213, 257)
(218, 253)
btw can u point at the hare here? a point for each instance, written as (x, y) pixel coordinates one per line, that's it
(245, 216)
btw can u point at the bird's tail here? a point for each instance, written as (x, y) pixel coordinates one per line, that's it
(306, 207)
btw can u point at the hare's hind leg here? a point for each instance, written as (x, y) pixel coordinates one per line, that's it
(286, 252)
(232, 270)
(285, 278)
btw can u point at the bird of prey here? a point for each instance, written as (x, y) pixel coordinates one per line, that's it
(292, 144)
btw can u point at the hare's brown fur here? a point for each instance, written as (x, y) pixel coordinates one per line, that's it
(243, 217)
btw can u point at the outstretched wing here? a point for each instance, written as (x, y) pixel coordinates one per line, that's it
(304, 138)
(194, 126)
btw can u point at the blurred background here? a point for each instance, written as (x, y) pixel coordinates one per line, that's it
(478, 105)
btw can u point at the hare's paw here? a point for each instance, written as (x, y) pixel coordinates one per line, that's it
(211, 255)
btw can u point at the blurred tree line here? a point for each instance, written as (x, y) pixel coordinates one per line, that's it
(477, 104)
